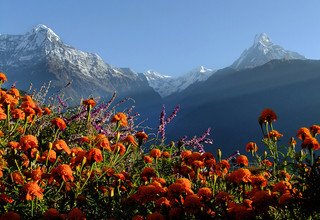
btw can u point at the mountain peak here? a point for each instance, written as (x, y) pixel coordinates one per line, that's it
(263, 51)
(262, 39)
(43, 32)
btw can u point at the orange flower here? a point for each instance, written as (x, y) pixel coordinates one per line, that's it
(267, 115)
(185, 182)
(28, 141)
(261, 198)
(258, 181)
(94, 154)
(310, 143)
(205, 193)
(3, 77)
(14, 145)
(242, 160)
(46, 111)
(223, 197)
(266, 163)
(130, 139)
(118, 148)
(33, 190)
(240, 176)
(14, 92)
(120, 118)
(90, 103)
(222, 167)
(61, 145)
(18, 114)
(137, 217)
(282, 187)
(52, 156)
(148, 173)
(141, 135)
(175, 190)
(155, 216)
(5, 199)
(165, 154)
(52, 214)
(251, 147)
(147, 159)
(36, 174)
(3, 116)
(76, 214)
(185, 153)
(275, 134)
(102, 141)
(315, 129)
(155, 153)
(303, 133)
(59, 123)
(285, 198)
(192, 204)
(10, 215)
(64, 171)
(17, 178)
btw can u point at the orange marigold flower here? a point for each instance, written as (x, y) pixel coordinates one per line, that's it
(90, 103)
(147, 159)
(5, 199)
(102, 141)
(197, 164)
(10, 215)
(14, 145)
(1, 133)
(118, 148)
(52, 156)
(14, 92)
(8, 99)
(303, 133)
(275, 134)
(155, 216)
(310, 143)
(175, 190)
(120, 118)
(18, 114)
(222, 167)
(251, 147)
(240, 176)
(36, 174)
(261, 197)
(130, 139)
(163, 202)
(242, 160)
(61, 145)
(3, 116)
(46, 111)
(148, 173)
(185, 153)
(315, 129)
(64, 171)
(185, 182)
(258, 181)
(165, 154)
(141, 135)
(192, 204)
(137, 217)
(52, 214)
(28, 141)
(267, 115)
(76, 214)
(205, 193)
(3, 77)
(33, 190)
(59, 123)
(267, 163)
(285, 198)
(155, 153)
(223, 197)
(94, 154)
(284, 175)
(282, 187)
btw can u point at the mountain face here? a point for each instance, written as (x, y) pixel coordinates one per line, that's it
(40, 56)
(263, 51)
(168, 85)
(231, 100)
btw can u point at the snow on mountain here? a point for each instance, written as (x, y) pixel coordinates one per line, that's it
(262, 51)
(167, 85)
(40, 56)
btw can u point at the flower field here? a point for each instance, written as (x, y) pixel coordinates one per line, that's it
(92, 162)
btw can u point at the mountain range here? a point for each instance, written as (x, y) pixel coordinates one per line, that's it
(228, 100)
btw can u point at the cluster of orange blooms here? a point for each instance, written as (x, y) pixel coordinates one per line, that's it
(44, 173)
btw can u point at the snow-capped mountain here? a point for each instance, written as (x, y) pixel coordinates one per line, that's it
(167, 85)
(262, 51)
(40, 56)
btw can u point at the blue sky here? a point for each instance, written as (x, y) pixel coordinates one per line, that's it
(169, 36)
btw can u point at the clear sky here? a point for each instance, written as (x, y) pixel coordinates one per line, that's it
(169, 36)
